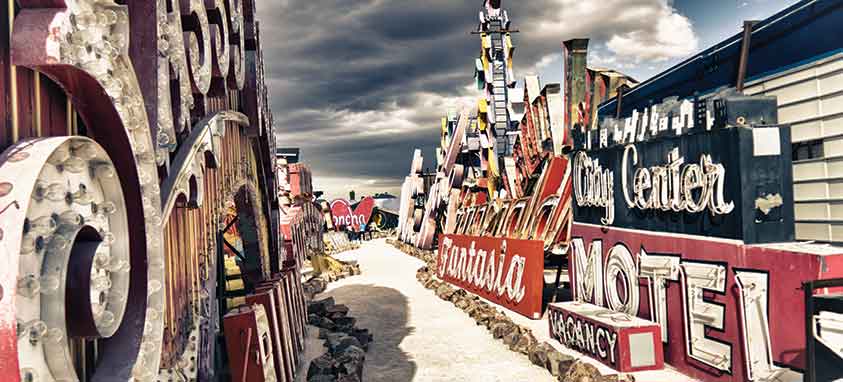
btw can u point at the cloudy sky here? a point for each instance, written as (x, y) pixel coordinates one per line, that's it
(357, 84)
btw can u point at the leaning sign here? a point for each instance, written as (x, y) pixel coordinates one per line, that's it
(675, 211)
(507, 272)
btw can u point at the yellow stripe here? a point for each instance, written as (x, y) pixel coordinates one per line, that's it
(69, 124)
(13, 77)
(38, 104)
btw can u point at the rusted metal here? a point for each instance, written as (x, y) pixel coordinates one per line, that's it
(746, 41)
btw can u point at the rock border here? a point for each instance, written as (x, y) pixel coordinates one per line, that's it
(518, 338)
(346, 343)
(318, 284)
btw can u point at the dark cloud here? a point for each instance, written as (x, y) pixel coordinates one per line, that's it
(359, 84)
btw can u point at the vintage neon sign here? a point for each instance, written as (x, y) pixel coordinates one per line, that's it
(505, 271)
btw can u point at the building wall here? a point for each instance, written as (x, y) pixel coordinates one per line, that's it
(810, 99)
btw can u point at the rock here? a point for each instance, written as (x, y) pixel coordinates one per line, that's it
(323, 378)
(336, 311)
(313, 319)
(538, 353)
(351, 360)
(319, 307)
(363, 336)
(458, 294)
(444, 291)
(618, 378)
(499, 329)
(345, 343)
(333, 339)
(511, 338)
(322, 365)
(345, 324)
(462, 304)
(347, 378)
(557, 363)
(326, 323)
(323, 333)
(525, 343)
(582, 372)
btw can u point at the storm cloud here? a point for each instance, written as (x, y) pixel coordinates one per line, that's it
(359, 84)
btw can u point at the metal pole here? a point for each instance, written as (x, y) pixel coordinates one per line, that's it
(747, 39)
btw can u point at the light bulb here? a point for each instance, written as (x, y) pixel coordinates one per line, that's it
(35, 330)
(107, 238)
(28, 244)
(106, 319)
(28, 374)
(70, 218)
(82, 196)
(152, 315)
(29, 286)
(102, 259)
(154, 286)
(101, 283)
(74, 165)
(104, 171)
(59, 156)
(85, 151)
(44, 225)
(105, 209)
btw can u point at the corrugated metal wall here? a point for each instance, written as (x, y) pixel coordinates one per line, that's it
(810, 99)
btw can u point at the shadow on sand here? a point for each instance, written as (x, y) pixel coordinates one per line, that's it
(384, 311)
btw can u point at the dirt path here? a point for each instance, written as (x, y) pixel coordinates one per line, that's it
(418, 337)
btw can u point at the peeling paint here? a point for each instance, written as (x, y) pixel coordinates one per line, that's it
(768, 202)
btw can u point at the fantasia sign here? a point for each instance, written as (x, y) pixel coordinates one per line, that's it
(507, 272)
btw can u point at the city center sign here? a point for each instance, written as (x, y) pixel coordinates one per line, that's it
(675, 209)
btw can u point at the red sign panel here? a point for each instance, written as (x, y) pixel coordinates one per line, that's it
(623, 342)
(344, 216)
(508, 272)
(727, 311)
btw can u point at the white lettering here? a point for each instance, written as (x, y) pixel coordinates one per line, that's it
(699, 314)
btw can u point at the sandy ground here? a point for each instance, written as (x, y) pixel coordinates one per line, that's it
(418, 337)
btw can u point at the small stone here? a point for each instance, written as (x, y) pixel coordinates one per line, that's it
(345, 343)
(351, 361)
(313, 319)
(326, 323)
(338, 310)
(323, 333)
(319, 307)
(322, 365)
(444, 291)
(511, 338)
(345, 324)
(334, 338)
(462, 304)
(618, 378)
(499, 329)
(363, 336)
(323, 378)
(582, 372)
(557, 363)
(457, 295)
(538, 354)
(525, 343)
(347, 378)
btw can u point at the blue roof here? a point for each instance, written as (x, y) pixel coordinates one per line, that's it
(806, 31)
